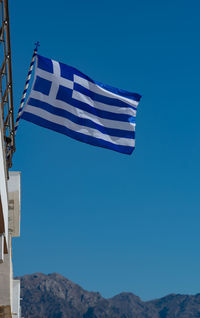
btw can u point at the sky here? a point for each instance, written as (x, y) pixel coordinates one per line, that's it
(107, 221)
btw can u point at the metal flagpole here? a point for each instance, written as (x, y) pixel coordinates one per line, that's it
(26, 87)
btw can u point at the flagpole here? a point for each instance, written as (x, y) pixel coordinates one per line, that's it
(26, 86)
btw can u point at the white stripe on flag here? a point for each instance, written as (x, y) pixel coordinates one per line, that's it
(99, 90)
(55, 84)
(108, 108)
(77, 128)
(81, 113)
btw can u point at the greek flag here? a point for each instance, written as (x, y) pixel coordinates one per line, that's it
(67, 101)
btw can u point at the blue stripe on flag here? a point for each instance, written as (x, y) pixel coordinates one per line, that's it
(101, 98)
(79, 120)
(121, 92)
(64, 94)
(76, 135)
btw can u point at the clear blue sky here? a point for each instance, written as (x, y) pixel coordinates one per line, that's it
(108, 221)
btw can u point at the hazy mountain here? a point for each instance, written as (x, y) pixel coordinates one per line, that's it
(54, 296)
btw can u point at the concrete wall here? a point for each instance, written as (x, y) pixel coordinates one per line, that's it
(6, 280)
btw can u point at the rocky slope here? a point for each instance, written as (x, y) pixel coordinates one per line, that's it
(54, 296)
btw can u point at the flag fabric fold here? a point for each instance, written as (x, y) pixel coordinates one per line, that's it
(67, 101)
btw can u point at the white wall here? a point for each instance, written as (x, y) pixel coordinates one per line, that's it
(6, 280)
(14, 203)
(3, 183)
(16, 299)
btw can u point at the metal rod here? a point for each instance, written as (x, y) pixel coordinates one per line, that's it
(10, 91)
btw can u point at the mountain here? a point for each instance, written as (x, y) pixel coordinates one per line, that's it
(54, 296)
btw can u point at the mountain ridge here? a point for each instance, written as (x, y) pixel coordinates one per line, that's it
(54, 296)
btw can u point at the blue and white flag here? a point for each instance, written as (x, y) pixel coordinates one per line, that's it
(67, 101)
